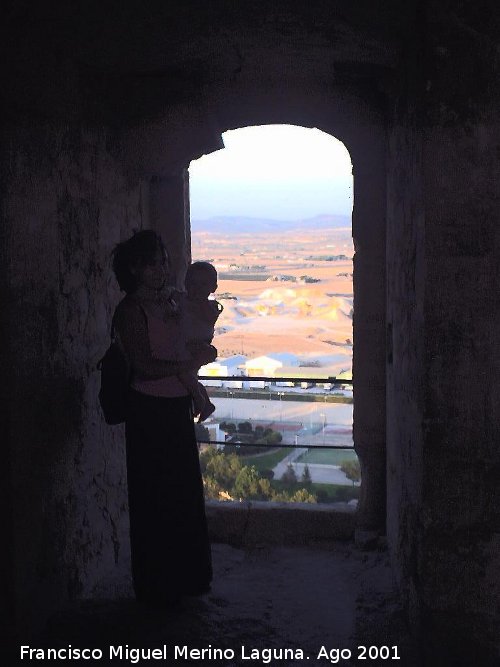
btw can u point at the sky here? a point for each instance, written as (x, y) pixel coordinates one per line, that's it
(281, 172)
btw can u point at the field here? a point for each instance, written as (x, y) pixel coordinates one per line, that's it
(331, 457)
(286, 292)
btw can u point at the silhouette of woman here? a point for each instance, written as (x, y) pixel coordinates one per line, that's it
(168, 531)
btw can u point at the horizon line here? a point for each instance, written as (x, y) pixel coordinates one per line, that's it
(254, 217)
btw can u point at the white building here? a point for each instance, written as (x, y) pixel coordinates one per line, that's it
(214, 369)
(268, 365)
(234, 365)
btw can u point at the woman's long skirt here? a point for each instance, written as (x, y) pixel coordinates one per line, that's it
(168, 528)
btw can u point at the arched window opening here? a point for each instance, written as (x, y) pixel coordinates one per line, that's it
(272, 213)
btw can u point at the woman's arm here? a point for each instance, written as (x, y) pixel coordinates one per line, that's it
(131, 326)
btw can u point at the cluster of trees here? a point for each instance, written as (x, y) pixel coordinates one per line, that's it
(245, 433)
(284, 277)
(225, 476)
(327, 258)
(247, 267)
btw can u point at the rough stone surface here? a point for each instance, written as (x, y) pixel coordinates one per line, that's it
(65, 209)
(444, 354)
(256, 523)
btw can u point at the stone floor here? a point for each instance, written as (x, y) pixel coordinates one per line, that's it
(296, 598)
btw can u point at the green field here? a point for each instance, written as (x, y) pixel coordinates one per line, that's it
(332, 457)
(266, 461)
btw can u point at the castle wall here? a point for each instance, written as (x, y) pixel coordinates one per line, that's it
(66, 204)
(443, 366)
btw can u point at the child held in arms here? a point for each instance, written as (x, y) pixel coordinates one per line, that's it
(198, 315)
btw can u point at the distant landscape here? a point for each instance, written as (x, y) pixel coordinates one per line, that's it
(247, 225)
(286, 286)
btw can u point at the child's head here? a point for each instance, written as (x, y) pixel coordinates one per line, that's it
(141, 259)
(201, 280)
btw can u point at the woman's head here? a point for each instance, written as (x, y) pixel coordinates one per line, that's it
(141, 260)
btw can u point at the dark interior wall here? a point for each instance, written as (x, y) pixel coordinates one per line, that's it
(369, 322)
(460, 534)
(65, 205)
(443, 251)
(460, 531)
(404, 355)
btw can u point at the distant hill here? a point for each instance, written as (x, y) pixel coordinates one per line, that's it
(242, 225)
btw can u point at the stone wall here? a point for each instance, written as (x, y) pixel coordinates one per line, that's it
(369, 236)
(460, 526)
(66, 204)
(256, 524)
(404, 356)
(443, 364)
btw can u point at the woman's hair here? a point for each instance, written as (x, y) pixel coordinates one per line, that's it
(139, 250)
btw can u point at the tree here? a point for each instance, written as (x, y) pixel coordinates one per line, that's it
(213, 491)
(246, 484)
(245, 427)
(298, 496)
(302, 496)
(289, 477)
(221, 468)
(274, 438)
(351, 470)
(306, 477)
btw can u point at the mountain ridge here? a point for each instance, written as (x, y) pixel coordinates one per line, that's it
(226, 224)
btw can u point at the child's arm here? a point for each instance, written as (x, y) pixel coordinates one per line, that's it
(214, 310)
